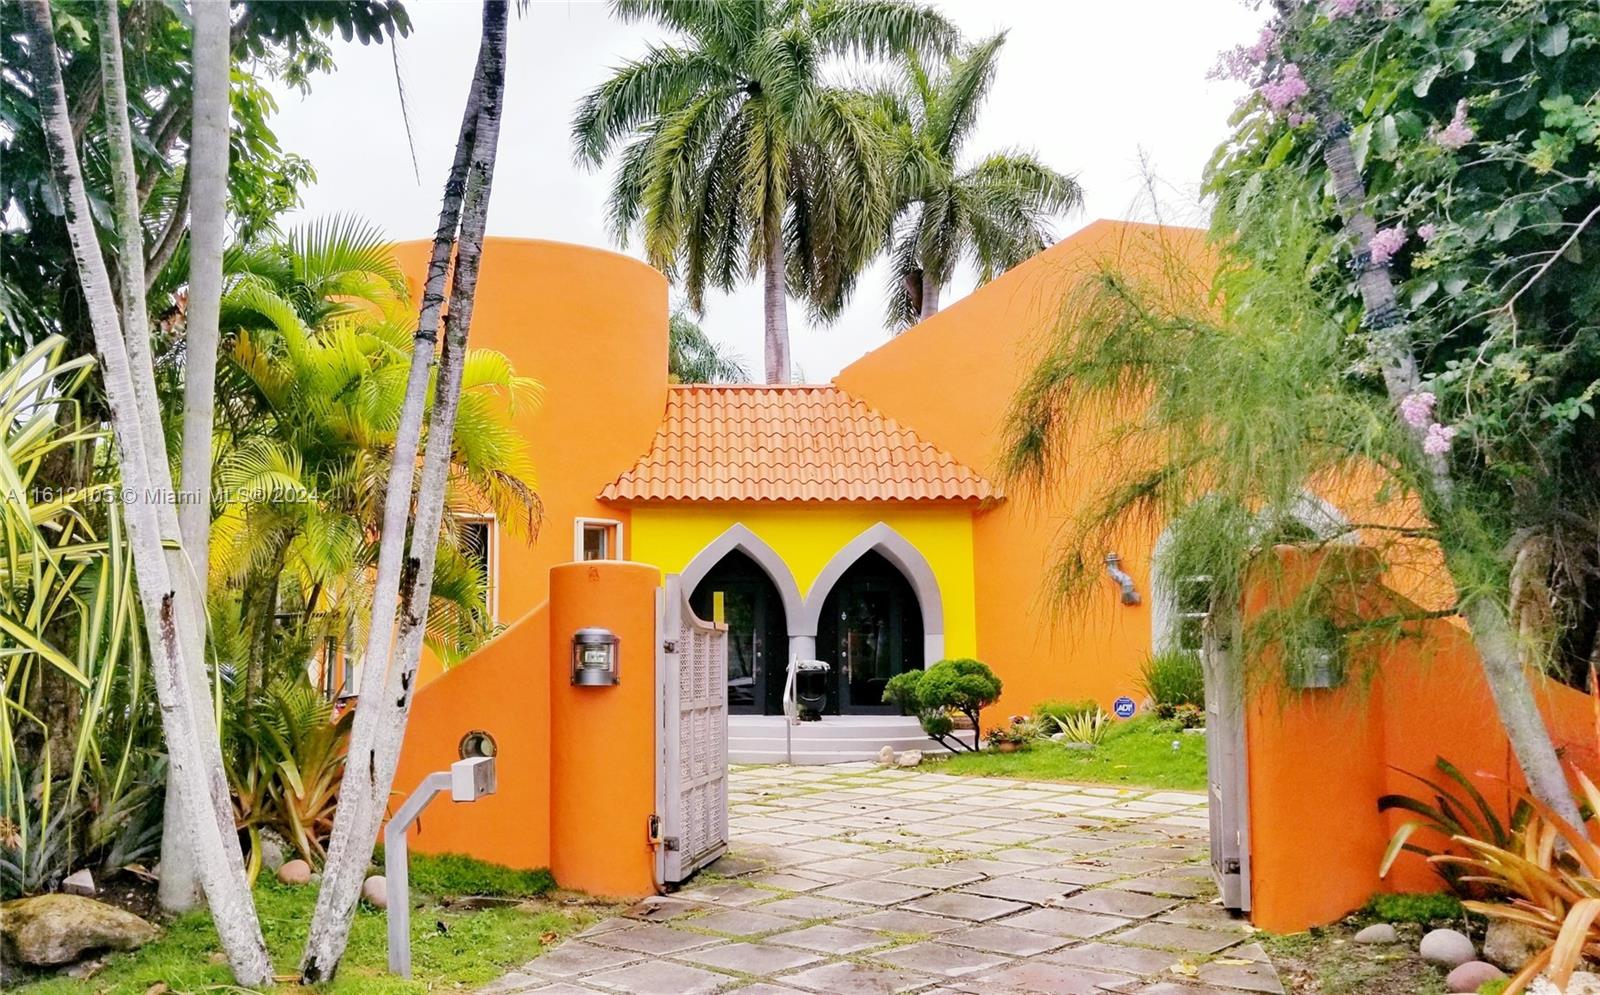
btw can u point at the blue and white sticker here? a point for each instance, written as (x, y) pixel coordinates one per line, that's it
(1124, 707)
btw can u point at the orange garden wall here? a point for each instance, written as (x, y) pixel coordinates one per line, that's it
(591, 327)
(1319, 760)
(575, 766)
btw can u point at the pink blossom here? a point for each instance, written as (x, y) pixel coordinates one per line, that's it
(1438, 439)
(1280, 93)
(1427, 231)
(1263, 46)
(1386, 243)
(1417, 408)
(1342, 8)
(1458, 132)
(1296, 119)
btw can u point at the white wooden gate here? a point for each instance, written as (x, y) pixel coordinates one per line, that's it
(1227, 762)
(691, 737)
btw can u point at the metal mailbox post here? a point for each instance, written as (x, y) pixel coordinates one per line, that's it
(467, 780)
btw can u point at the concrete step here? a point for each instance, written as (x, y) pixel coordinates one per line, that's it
(813, 757)
(835, 739)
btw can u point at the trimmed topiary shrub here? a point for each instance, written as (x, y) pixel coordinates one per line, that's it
(963, 686)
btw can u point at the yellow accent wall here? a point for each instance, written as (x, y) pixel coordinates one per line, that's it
(808, 536)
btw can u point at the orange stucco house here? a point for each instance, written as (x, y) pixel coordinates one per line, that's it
(861, 522)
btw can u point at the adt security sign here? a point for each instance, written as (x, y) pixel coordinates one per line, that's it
(1124, 707)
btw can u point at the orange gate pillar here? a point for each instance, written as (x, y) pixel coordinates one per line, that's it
(603, 738)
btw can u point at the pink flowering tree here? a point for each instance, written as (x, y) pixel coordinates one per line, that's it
(1407, 211)
(1451, 154)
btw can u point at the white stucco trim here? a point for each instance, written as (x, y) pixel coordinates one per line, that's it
(897, 549)
(747, 542)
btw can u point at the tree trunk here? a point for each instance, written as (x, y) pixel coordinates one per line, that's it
(259, 608)
(206, 182)
(775, 285)
(1486, 618)
(220, 862)
(381, 716)
(929, 297)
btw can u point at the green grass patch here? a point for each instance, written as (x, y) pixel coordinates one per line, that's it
(450, 950)
(1137, 753)
(455, 874)
(1421, 908)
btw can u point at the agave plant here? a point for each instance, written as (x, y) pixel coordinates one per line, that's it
(1083, 727)
(77, 735)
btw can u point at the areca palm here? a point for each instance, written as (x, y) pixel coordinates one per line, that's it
(993, 214)
(738, 157)
(314, 373)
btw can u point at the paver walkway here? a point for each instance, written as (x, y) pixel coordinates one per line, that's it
(854, 880)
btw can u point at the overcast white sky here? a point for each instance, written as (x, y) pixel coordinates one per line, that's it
(1091, 85)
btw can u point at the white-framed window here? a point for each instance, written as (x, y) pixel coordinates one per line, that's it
(480, 544)
(596, 539)
(1193, 608)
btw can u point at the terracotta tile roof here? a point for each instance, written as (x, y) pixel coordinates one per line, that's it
(808, 443)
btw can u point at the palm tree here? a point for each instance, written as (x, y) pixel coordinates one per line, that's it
(737, 157)
(994, 214)
(694, 357)
(314, 368)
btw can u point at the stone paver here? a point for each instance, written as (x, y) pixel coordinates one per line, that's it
(856, 880)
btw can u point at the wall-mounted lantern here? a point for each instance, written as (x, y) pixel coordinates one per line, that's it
(594, 658)
(1317, 660)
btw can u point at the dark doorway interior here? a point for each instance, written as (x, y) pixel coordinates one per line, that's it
(758, 635)
(870, 630)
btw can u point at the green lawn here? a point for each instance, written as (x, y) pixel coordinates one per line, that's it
(450, 951)
(1137, 753)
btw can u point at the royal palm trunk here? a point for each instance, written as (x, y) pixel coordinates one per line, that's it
(389, 667)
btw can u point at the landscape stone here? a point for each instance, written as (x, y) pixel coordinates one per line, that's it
(1511, 945)
(910, 758)
(295, 872)
(1378, 932)
(1448, 948)
(47, 930)
(375, 890)
(886, 756)
(273, 851)
(1469, 976)
(79, 882)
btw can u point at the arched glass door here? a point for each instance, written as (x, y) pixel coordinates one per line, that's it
(738, 592)
(870, 629)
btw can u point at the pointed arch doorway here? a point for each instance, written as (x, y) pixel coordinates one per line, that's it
(870, 628)
(737, 591)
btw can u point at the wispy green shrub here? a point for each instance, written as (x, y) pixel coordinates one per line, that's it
(1173, 678)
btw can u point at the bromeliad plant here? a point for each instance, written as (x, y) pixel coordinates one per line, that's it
(285, 754)
(1549, 873)
(1457, 810)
